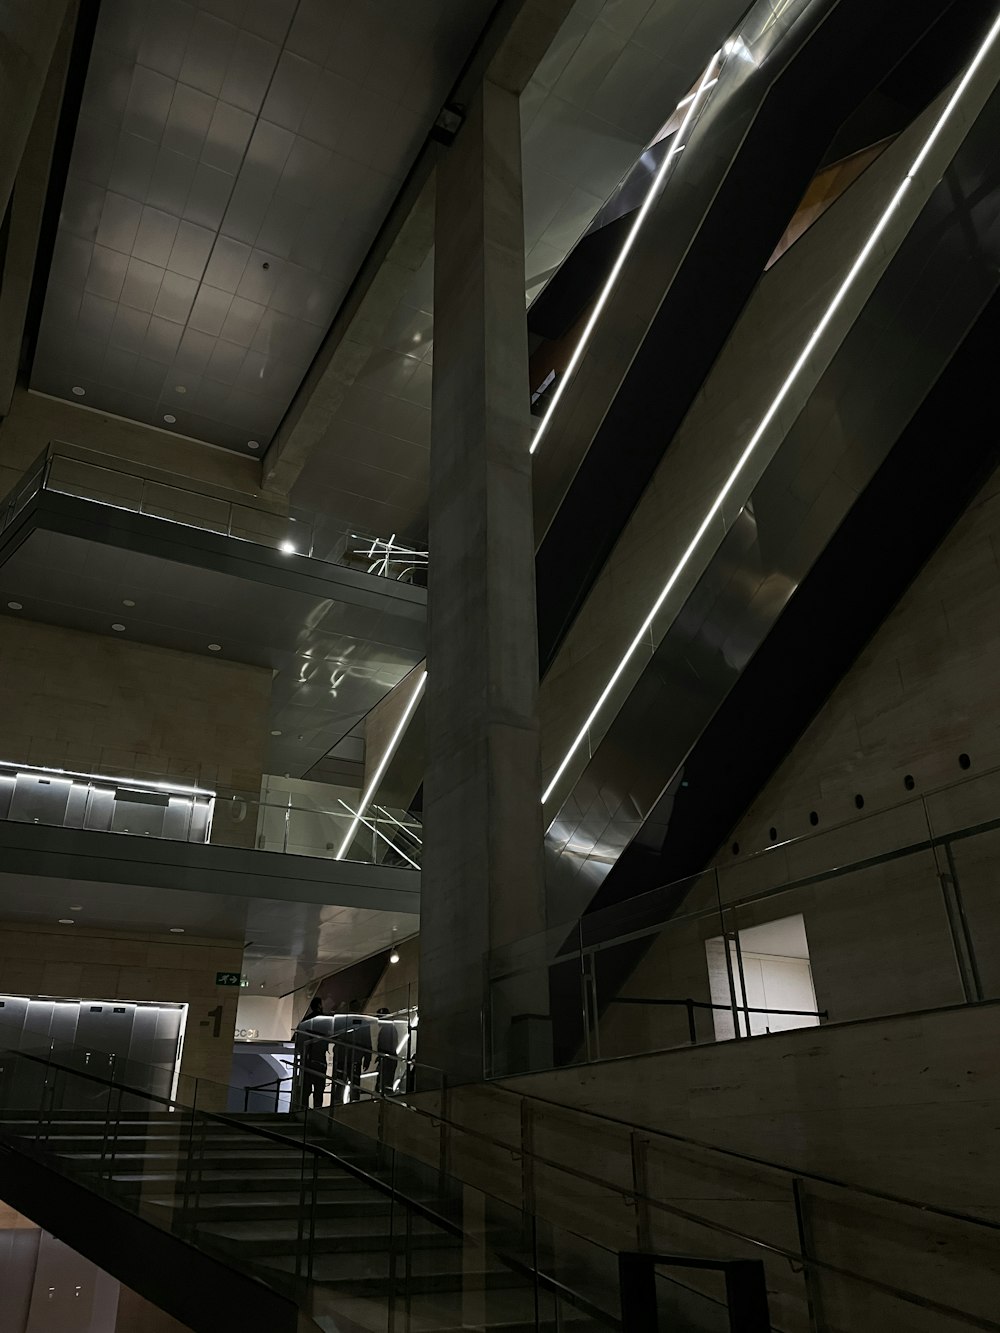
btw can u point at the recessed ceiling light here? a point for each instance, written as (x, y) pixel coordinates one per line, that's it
(394, 957)
(215, 647)
(76, 909)
(275, 733)
(119, 628)
(177, 930)
(79, 390)
(169, 418)
(14, 606)
(66, 921)
(127, 601)
(288, 548)
(253, 444)
(180, 388)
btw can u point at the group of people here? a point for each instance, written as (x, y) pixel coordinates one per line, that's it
(355, 1048)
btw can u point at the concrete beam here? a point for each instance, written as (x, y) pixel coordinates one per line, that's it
(516, 38)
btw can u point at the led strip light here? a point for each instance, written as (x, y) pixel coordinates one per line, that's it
(781, 395)
(691, 101)
(390, 750)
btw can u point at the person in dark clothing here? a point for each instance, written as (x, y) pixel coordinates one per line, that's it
(385, 1058)
(311, 1049)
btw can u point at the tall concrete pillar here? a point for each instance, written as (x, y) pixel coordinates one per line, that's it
(482, 883)
(28, 32)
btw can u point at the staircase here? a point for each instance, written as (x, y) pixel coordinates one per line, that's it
(344, 1236)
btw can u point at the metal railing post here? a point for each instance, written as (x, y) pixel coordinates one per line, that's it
(812, 1293)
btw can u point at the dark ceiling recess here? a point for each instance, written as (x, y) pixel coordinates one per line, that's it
(76, 77)
(932, 474)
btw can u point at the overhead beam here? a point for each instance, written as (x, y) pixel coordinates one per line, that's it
(509, 50)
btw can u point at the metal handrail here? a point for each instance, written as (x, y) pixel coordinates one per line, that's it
(317, 1150)
(635, 1196)
(883, 1196)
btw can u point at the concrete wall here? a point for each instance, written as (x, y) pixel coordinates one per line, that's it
(398, 987)
(902, 1105)
(81, 963)
(922, 693)
(82, 701)
(35, 421)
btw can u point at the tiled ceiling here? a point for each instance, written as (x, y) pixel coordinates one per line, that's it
(609, 81)
(233, 162)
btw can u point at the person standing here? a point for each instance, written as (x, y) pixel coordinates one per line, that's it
(310, 1047)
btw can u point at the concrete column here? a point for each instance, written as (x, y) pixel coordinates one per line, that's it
(482, 884)
(28, 32)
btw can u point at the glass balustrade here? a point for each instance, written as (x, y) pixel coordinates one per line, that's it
(337, 826)
(888, 914)
(90, 475)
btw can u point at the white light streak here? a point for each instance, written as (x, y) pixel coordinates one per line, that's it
(390, 750)
(654, 189)
(780, 396)
(369, 824)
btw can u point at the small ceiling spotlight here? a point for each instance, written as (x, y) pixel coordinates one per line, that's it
(253, 444)
(177, 930)
(79, 390)
(275, 733)
(127, 601)
(14, 606)
(169, 418)
(119, 628)
(66, 921)
(78, 908)
(215, 647)
(288, 547)
(180, 388)
(394, 956)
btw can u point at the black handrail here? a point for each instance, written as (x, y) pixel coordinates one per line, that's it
(883, 1196)
(691, 1005)
(552, 1285)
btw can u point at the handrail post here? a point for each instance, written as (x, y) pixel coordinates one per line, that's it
(443, 1130)
(692, 1028)
(808, 1276)
(527, 1157)
(640, 1189)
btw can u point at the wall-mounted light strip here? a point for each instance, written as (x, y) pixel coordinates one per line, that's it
(781, 395)
(692, 102)
(390, 750)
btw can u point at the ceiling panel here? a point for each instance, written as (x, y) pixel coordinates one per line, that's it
(233, 162)
(288, 944)
(613, 75)
(332, 661)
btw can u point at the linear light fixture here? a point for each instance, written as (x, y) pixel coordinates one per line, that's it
(782, 394)
(369, 824)
(390, 750)
(692, 102)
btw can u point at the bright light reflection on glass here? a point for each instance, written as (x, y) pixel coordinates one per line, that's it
(778, 399)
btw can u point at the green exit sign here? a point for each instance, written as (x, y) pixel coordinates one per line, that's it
(227, 978)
